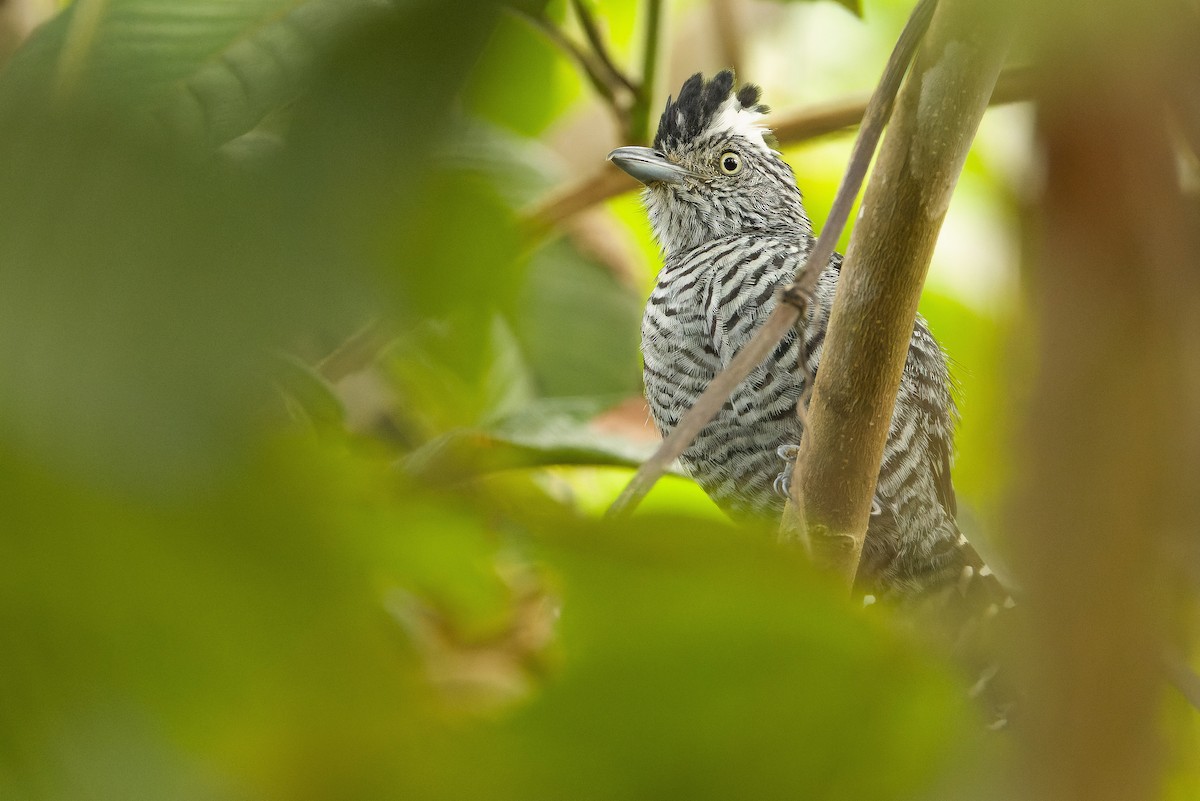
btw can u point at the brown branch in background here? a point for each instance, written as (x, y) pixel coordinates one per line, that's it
(795, 297)
(871, 322)
(790, 128)
(563, 204)
(728, 31)
(1104, 478)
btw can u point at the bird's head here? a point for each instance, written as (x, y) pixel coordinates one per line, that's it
(713, 171)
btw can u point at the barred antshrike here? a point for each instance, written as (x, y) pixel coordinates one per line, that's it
(732, 226)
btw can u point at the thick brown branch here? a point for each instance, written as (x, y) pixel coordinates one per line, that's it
(872, 320)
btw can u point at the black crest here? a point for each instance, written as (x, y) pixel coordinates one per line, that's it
(687, 116)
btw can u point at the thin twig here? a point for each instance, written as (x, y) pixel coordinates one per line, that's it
(600, 48)
(597, 76)
(795, 297)
(790, 128)
(639, 115)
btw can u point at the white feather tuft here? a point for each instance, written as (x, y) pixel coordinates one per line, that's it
(744, 122)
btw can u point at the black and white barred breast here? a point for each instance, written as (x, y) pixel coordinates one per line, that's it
(707, 304)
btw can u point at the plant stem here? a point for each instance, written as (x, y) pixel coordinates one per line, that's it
(639, 117)
(871, 323)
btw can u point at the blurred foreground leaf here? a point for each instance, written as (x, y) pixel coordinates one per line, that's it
(211, 69)
(250, 645)
(579, 326)
(143, 287)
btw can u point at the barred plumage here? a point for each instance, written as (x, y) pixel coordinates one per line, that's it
(730, 220)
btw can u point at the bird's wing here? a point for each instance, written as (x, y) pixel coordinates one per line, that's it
(940, 457)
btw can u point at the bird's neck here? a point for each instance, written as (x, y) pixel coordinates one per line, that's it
(683, 221)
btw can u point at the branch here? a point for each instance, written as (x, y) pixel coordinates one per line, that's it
(728, 31)
(592, 31)
(601, 78)
(795, 297)
(871, 322)
(639, 115)
(563, 204)
(791, 128)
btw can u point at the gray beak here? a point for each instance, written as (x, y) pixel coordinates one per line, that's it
(648, 165)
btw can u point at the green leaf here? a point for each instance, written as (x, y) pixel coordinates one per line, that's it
(703, 663)
(144, 288)
(210, 69)
(545, 433)
(578, 326)
(522, 81)
(192, 649)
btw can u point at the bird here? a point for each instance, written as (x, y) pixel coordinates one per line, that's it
(731, 223)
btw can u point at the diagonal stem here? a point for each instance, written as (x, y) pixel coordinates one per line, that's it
(599, 47)
(871, 323)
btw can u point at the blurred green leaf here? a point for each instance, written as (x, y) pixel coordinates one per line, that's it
(209, 643)
(522, 81)
(578, 326)
(144, 288)
(694, 662)
(545, 433)
(152, 648)
(211, 69)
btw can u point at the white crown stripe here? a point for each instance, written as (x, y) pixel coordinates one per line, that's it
(743, 122)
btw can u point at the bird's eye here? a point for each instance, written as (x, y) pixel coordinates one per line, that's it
(731, 163)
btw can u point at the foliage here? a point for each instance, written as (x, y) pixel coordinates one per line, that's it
(304, 436)
(213, 588)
